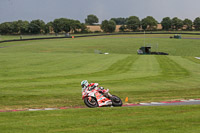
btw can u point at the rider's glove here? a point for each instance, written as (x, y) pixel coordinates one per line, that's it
(101, 88)
(96, 84)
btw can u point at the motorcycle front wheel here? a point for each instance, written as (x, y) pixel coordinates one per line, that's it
(116, 101)
(91, 102)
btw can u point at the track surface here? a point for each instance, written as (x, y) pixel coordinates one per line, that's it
(169, 103)
(164, 103)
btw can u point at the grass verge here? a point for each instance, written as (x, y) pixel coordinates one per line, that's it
(176, 119)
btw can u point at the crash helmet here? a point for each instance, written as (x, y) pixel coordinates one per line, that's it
(84, 83)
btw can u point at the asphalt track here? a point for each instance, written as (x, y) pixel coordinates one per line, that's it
(163, 103)
(168, 103)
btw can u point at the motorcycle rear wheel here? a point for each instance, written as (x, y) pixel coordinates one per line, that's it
(116, 101)
(91, 103)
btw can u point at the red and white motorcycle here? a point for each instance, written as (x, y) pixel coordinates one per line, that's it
(94, 99)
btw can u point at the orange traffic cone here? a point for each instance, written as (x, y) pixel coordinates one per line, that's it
(126, 100)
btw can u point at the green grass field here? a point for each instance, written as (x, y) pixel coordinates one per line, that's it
(47, 73)
(181, 119)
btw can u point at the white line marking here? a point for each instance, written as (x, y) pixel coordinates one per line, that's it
(185, 100)
(50, 108)
(156, 103)
(197, 58)
(34, 109)
(145, 103)
(193, 100)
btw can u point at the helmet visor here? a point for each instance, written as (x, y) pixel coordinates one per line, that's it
(82, 85)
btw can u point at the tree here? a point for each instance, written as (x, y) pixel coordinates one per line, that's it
(197, 23)
(19, 27)
(119, 21)
(177, 23)
(188, 23)
(108, 26)
(22, 27)
(48, 27)
(144, 24)
(75, 25)
(36, 26)
(133, 23)
(6, 28)
(66, 25)
(57, 25)
(91, 19)
(15, 26)
(166, 23)
(61, 24)
(149, 22)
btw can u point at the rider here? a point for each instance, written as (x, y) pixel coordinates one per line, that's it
(85, 85)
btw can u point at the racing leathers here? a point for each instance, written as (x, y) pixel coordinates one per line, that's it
(92, 86)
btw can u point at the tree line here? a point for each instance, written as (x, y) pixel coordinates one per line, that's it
(65, 25)
(133, 23)
(38, 26)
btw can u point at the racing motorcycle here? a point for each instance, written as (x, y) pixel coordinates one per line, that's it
(94, 98)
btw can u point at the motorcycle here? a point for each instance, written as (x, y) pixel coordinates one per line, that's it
(94, 99)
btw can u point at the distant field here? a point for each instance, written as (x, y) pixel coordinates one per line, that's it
(94, 28)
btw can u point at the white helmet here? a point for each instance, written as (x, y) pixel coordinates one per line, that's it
(84, 83)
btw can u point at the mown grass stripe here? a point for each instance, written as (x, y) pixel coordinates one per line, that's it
(170, 70)
(118, 67)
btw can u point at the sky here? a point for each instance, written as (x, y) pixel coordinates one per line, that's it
(48, 10)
